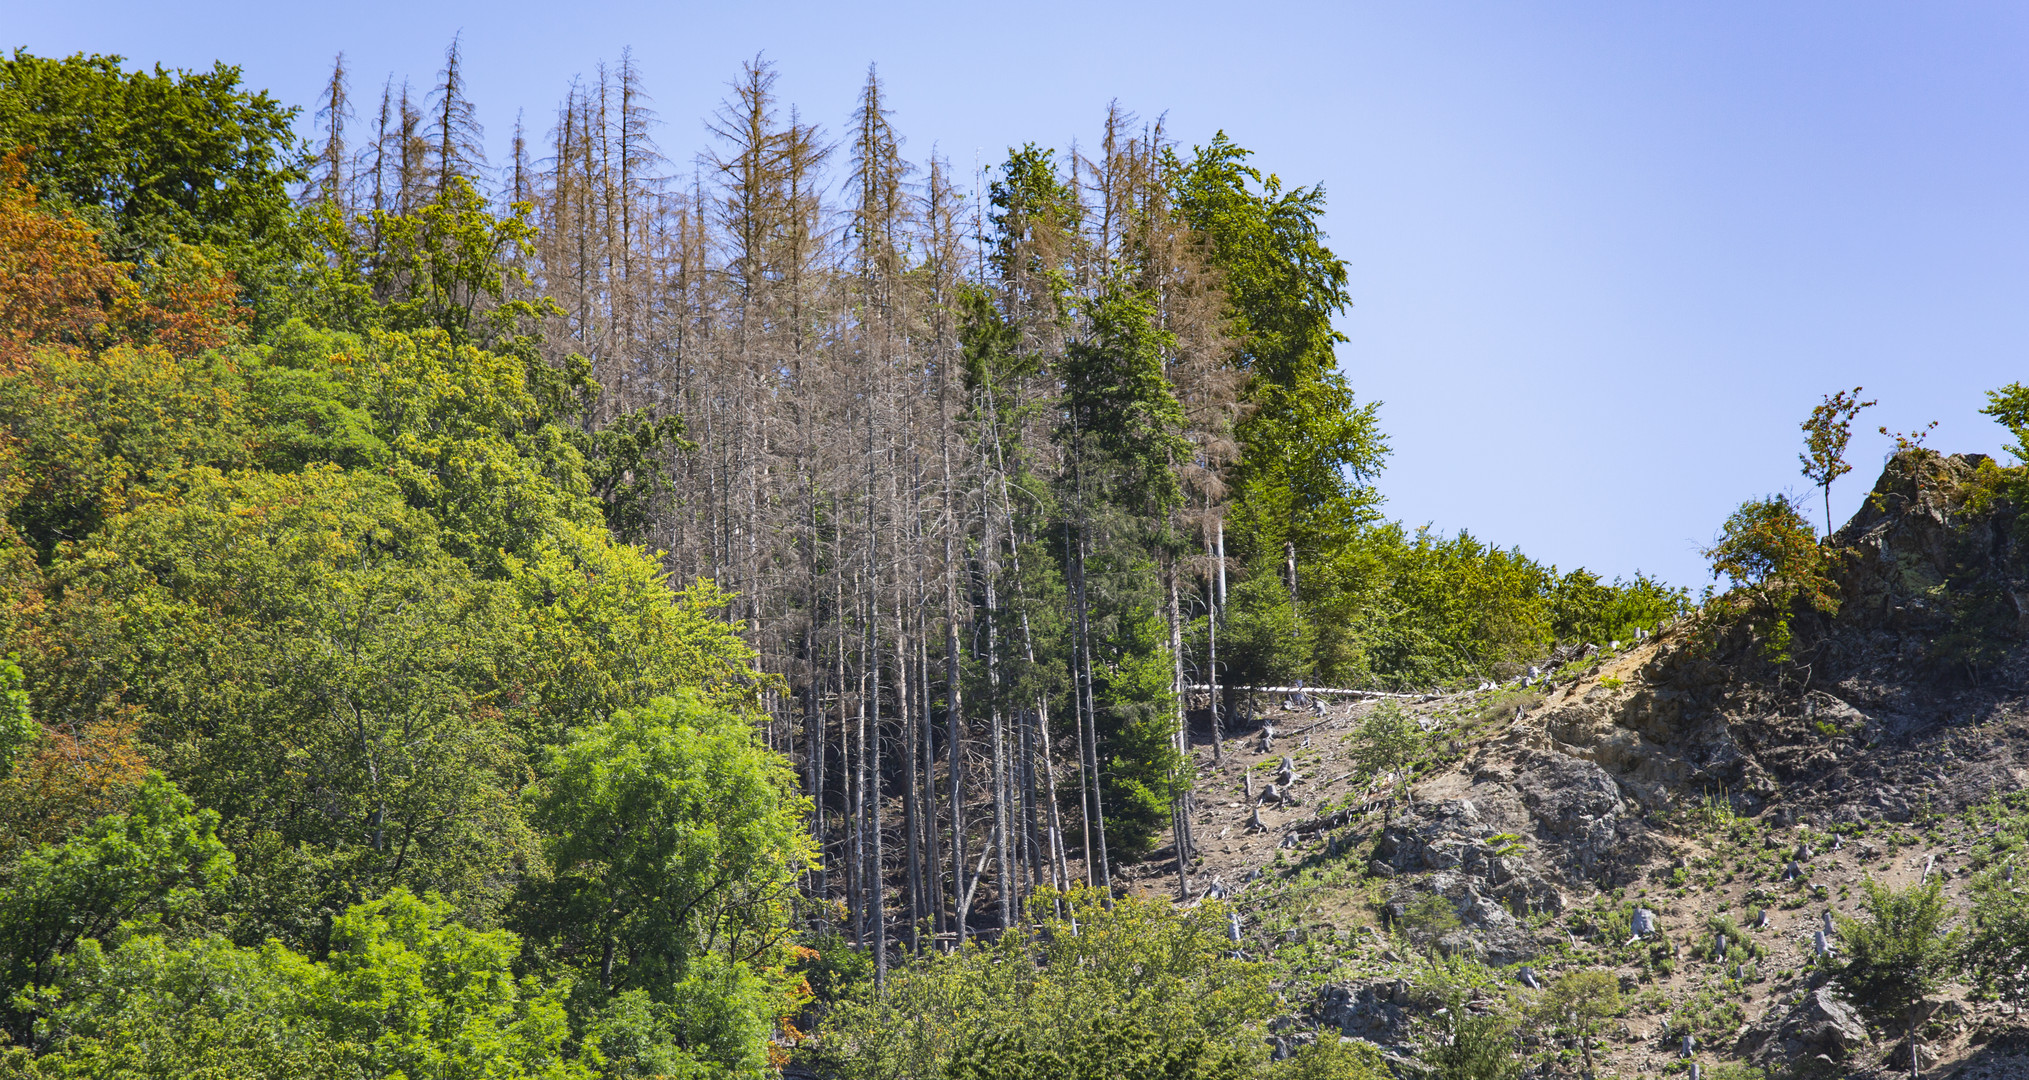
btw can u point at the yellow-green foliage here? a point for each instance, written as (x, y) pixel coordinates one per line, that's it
(1770, 552)
(1418, 609)
(1125, 991)
(1330, 1059)
(407, 990)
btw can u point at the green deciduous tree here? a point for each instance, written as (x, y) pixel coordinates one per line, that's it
(411, 991)
(1386, 742)
(1997, 940)
(156, 861)
(1582, 608)
(99, 431)
(2009, 406)
(1579, 1002)
(408, 991)
(1900, 954)
(158, 156)
(1475, 1046)
(1098, 1047)
(156, 1008)
(1769, 549)
(310, 663)
(1420, 608)
(1826, 432)
(674, 843)
(1100, 991)
(17, 726)
(1333, 1058)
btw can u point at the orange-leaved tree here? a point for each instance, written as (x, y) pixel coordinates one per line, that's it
(1770, 551)
(58, 288)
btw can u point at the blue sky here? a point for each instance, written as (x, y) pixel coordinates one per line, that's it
(1605, 257)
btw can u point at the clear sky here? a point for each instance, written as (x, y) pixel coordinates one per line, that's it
(1605, 256)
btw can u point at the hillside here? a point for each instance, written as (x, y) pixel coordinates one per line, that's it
(1687, 775)
(576, 631)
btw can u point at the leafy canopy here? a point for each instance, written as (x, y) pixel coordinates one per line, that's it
(158, 860)
(1826, 432)
(672, 834)
(1901, 952)
(161, 157)
(407, 990)
(1096, 991)
(1768, 549)
(1309, 451)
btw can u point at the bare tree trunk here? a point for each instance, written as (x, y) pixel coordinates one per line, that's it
(1180, 816)
(1095, 811)
(1915, 1023)
(933, 859)
(1212, 615)
(910, 821)
(1060, 866)
(1289, 554)
(954, 714)
(1032, 848)
(1085, 783)
(813, 750)
(1002, 869)
(856, 855)
(873, 653)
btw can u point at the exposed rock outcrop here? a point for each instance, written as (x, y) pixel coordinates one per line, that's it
(1820, 1025)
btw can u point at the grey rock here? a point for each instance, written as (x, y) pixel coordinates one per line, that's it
(1482, 911)
(1899, 1057)
(1375, 1011)
(1819, 1026)
(1459, 943)
(1578, 805)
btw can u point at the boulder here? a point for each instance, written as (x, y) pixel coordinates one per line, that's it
(1578, 805)
(1375, 1011)
(1821, 1024)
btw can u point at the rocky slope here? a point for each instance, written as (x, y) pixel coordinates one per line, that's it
(1683, 811)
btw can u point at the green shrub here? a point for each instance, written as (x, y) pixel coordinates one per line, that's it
(1770, 552)
(1140, 988)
